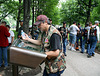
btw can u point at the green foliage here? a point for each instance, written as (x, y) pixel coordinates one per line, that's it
(78, 10)
(50, 9)
(8, 8)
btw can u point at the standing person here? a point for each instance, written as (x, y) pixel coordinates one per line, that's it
(79, 36)
(73, 32)
(50, 41)
(86, 38)
(94, 38)
(11, 38)
(3, 43)
(21, 28)
(63, 32)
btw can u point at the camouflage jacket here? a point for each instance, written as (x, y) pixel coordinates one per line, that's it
(55, 64)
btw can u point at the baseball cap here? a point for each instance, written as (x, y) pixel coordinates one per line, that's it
(40, 19)
(96, 22)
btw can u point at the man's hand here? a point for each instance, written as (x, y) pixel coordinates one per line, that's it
(26, 37)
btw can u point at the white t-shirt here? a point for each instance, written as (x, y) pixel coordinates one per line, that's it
(11, 35)
(73, 29)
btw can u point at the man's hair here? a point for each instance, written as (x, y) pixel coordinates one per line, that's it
(78, 23)
(50, 19)
(20, 20)
(4, 22)
(8, 26)
(74, 22)
(64, 22)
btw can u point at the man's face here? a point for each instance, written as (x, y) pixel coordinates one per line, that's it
(21, 23)
(41, 26)
(97, 23)
(90, 24)
(8, 28)
(3, 24)
(64, 25)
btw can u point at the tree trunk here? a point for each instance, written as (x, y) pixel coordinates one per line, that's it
(26, 5)
(18, 18)
(88, 11)
(33, 20)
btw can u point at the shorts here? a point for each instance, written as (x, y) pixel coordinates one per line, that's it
(72, 38)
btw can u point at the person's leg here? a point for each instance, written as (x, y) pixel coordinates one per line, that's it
(81, 40)
(73, 42)
(94, 45)
(83, 45)
(1, 62)
(88, 47)
(77, 40)
(70, 41)
(5, 56)
(64, 46)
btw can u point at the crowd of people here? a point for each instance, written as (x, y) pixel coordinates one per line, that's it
(88, 35)
(53, 41)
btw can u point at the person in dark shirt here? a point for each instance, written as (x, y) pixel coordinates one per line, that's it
(79, 37)
(4, 33)
(50, 41)
(21, 28)
(63, 32)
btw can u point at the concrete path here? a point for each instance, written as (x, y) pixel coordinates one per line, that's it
(77, 65)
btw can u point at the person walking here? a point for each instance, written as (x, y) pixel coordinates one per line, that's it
(50, 41)
(86, 38)
(94, 38)
(63, 32)
(73, 32)
(11, 38)
(3, 43)
(79, 37)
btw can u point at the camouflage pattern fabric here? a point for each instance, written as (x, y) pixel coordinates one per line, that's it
(55, 64)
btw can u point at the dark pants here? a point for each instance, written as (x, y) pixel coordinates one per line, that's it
(52, 74)
(93, 42)
(79, 37)
(83, 45)
(3, 51)
(64, 45)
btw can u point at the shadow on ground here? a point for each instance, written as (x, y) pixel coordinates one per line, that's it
(22, 71)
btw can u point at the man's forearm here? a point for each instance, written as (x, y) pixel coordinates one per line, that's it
(51, 54)
(37, 42)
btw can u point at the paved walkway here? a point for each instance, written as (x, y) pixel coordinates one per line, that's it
(77, 65)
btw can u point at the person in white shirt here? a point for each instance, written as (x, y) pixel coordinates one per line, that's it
(11, 38)
(73, 32)
(94, 38)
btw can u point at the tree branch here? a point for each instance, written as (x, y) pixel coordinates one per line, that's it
(84, 2)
